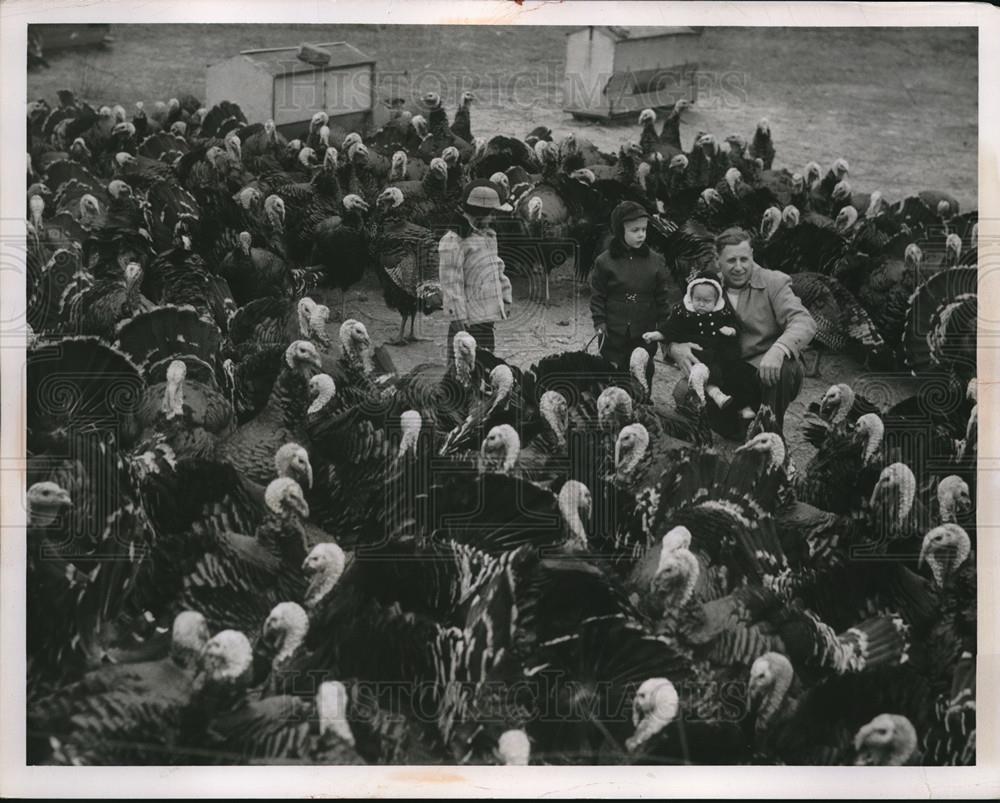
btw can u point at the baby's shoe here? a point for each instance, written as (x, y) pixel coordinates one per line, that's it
(721, 399)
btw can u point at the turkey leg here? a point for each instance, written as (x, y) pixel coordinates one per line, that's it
(401, 340)
(343, 303)
(412, 337)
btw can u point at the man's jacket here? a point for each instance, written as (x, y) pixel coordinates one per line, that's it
(770, 313)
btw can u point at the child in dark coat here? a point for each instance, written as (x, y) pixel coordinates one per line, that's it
(706, 318)
(630, 289)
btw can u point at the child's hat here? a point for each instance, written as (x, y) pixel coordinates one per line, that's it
(630, 210)
(482, 194)
(705, 277)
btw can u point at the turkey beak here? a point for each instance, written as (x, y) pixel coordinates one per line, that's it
(269, 633)
(64, 499)
(923, 556)
(308, 475)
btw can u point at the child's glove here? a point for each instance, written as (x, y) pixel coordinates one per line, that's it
(728, 331)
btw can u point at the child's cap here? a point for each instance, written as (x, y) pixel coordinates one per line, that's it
(629, 210)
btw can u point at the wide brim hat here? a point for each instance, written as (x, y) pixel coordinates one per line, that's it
(482, 194)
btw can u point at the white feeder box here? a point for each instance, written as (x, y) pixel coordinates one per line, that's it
(614, 72)
(290, 84)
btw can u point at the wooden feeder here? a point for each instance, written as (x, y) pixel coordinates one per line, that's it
(614, 72)
(290, 84)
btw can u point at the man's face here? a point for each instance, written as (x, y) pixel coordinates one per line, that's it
(635, 233)
(735, 262)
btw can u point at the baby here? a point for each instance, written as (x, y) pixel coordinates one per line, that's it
(706, 319)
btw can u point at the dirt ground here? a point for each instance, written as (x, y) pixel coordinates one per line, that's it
(899, 104)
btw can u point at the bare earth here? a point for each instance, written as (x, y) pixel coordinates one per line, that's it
(899, 104)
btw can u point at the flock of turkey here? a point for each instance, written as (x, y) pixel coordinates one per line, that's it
(250, 544)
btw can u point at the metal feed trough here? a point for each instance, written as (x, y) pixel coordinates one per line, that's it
(615, 72)
(290, 84)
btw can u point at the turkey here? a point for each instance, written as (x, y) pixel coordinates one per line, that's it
(440, 134)
(203, 565)
(444, 395)
(670, 133)
(890, 740)
(238, 580)
(504, 152)
(99, 309)
(461, 126)
(842, 324)
(80, 385)
(723, 506)
(47, 284)
(941, 323)
(427, 202)
(125, 728)
(164, 679)
(840, 475)
(563, 221)
(177, 352)
(287, 730)
(762, 146)
(406, 263)
(797, 725)
(707, 163)
(251, 447)
(273, 322)
(179, 277)
(254, 272)
(341, 247)
(605, 665)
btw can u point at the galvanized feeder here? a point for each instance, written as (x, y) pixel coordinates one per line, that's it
(290, 84)
(615, 72)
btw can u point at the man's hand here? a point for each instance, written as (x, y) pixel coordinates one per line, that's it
(770, 367)
(652, 337)
(683, 355)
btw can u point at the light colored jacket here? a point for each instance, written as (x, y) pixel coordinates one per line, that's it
(473, 282)
(770, 313)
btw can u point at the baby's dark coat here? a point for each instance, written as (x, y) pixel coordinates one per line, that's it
(685, 326)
